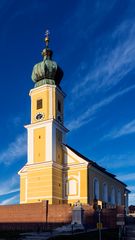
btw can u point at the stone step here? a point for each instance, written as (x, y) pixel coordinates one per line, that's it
(35, 236)
(130, 233)
(129, 238)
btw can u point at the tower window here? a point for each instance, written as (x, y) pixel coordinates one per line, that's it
(59, 106)
(39, 103)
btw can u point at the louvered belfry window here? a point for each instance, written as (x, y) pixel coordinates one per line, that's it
(39, 103)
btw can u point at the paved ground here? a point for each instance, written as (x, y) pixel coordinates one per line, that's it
(35, 236)
(130, 232)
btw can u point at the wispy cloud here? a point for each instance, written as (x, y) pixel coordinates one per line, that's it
(111, 64)
(15, 150)
(8, 191)
(9, 186)
(97, 12)
(88, 115)
(131, 188)
(128, 128)
(10, 200)
(127, 177)
(132, 199)
(118, 161)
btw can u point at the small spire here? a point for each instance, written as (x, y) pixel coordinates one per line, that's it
(47, 53)
(47, 71)
(47, 38)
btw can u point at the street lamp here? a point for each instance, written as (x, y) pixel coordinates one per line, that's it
(125, 203)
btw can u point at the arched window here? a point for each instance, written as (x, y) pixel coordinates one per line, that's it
(105, 192)
(119, 197)
(113, 195)
(96, 188)
(71, 187)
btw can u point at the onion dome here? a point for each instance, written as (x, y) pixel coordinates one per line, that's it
(47, 71)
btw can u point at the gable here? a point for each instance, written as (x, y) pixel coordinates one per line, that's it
(71, 158)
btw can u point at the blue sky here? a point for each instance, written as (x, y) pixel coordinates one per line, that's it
(94, 43)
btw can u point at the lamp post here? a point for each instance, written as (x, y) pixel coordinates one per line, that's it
(125, 205)
(99, 222)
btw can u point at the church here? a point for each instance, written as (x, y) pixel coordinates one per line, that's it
(54, 170)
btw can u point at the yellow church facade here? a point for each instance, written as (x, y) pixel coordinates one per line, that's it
(54, 171)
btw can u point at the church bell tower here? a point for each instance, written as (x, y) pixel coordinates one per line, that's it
(41, 178)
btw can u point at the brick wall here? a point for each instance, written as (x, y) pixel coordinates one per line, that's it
(89, 215)
(35, 216)
(108, 217)
(34, 212)
(59, 215)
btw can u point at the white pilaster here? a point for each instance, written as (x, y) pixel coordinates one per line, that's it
(50, 103)
(49, 142)
(30, 145)
(53, 143)
(26, 189)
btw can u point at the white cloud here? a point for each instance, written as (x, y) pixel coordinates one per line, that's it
(9, 186)
(89, 114)
(11, 200)
(111, 64)
(132, 199)
(131, 188)
(127, 177)
(117, 161)
(8, 191)
(15, 150)
(128, 128)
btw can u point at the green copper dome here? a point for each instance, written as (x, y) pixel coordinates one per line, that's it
(47, 71)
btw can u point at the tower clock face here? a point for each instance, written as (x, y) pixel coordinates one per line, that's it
(39, 116)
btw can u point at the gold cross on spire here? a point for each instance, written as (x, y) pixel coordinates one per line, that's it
(47, 33)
